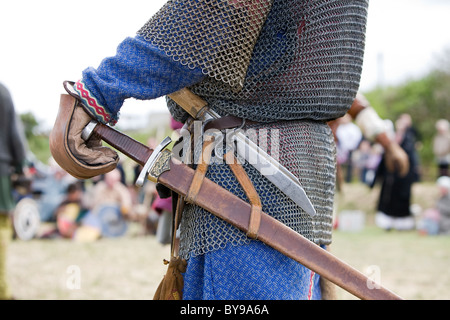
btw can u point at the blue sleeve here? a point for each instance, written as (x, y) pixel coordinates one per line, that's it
(138, 70)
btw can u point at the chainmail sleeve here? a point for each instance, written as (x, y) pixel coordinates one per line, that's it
(267, 60)
(216, 36)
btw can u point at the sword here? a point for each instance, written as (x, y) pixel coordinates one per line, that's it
(276, 173)
(170, 172)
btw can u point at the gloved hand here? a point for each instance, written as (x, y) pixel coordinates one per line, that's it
(90, 152)
(396, 159)
(81, 159)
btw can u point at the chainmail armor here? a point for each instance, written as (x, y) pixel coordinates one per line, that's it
(313, 162)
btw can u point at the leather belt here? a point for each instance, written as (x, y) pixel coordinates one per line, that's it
(227, 122)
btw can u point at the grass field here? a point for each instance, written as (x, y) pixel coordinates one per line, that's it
(412, 265)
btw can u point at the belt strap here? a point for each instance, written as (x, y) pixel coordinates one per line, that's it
(201, 169)
(241, 176)
(250, 191)
(227, 122)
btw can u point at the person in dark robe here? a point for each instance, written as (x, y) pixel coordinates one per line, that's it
(393, 209)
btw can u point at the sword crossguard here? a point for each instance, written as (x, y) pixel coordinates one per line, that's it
(151, 161)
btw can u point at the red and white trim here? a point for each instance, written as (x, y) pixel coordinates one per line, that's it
(93, 105)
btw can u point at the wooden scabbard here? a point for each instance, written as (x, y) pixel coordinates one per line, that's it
(237, 212)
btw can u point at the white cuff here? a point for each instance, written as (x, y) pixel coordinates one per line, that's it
(370, 123)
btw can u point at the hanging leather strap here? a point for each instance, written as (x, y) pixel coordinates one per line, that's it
(178, 202)
(250, 191)
(201, 169)
(241, 176)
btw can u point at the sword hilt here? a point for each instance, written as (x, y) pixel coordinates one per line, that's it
(151, 161)
(190, 102)
(123, 143)
(128, 146)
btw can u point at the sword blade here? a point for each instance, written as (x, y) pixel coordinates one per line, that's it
(273, 171)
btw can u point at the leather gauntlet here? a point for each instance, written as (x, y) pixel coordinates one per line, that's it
(81, 159)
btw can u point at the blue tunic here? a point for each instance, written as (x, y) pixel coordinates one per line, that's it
(138, 70)
(253, 271)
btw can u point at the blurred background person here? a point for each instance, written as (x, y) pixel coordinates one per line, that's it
(441, 146)
(112, 191)
(368, 126)
(163, 207)
(53, 189)
(436, 220)
(393, 210)
(109, 202)
(366, 160)
(349, 137)
(12, 158)
(71, 211)
(443, 204)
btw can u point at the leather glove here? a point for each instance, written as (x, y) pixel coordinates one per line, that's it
(90, 152)
(396, 159)
(81, 159)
